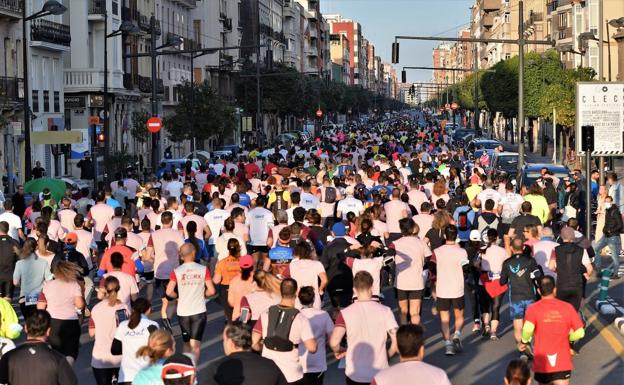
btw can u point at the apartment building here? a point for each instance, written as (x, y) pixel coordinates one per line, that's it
(294, 29)
(11, 85)
(340, 51)
(353, 30)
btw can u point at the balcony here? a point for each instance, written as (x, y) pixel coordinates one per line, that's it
(144, 23)
(46, 31)
(186, 3)
(226, 61)
(130, 14)
(96, 10)
(11, 90)
(145, 85)
(551, 7)
(487, 20)
(11, 9)
(312, 52)
(90, 79)
(312, 15)
(313, 33)
(565, 33)
(491, 5)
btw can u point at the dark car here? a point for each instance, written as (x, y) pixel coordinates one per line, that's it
(532, 172)
(505, 163)
(461, 135)
(480, 143)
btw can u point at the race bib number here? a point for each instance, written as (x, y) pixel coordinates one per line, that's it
(32, 299)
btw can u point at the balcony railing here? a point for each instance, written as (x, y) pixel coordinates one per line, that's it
(565, 33)
(11, 89)
(50, 32)
(145, 85)
(12, 8)
(96, 7)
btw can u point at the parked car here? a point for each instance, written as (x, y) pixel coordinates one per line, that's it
(505, 163)
(532, 172)
(75, 184)
(170, 165)
(462, 135)
(481, 143)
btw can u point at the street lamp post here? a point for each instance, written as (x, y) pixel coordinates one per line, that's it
(125, 28)
(51, 7)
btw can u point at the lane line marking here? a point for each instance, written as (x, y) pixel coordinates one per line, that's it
(605, 333)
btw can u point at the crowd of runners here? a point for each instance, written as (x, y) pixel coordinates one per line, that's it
(305, 247)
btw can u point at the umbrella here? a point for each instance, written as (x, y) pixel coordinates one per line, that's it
(56, 187)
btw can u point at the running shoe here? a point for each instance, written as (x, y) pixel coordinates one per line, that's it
(493, 337)
(477, 326)
(486, 331)
(450, 349)
(457, 342)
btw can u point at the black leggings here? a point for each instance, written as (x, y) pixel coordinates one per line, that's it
(474, 299)
(105, 376)
(313, 378)
(489, 304)
(223, 298)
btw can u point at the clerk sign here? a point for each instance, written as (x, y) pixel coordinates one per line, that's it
(601, 105)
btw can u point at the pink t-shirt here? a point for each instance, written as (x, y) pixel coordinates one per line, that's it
(371, 265)
(366, 338)
(397, 374)
(493, 258)
(101, 213)
(241, 230)
(55, 230)
(59, 296)
(288, 362)
(322, 326)
(410, 259)
(66, 217)
(416, 198)
(395, 211)
(450, 260)
(542, 251)
(306, 273)
(127, 286)
(84, 244)
(379, 228)
(104, 321)
(259, 302)
(167, 243)
(424, 222)
(199, 221)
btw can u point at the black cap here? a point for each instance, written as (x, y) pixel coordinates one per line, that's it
(121, 233)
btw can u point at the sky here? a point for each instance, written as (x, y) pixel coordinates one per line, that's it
(381, 20)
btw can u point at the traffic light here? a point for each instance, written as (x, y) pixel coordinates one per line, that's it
(403, 76)
(100, 139)
(587, 138)
(395, 53)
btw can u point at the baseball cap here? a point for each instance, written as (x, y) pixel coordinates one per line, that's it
(121, 233)
(71, 238)
(177, 366)
(475, 235)
(339, 229)
(246, 261)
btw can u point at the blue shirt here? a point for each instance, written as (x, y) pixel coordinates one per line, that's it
(281, 254)
(464, 235)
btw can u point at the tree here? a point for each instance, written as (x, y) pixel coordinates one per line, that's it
(139, 126)
(211, 115)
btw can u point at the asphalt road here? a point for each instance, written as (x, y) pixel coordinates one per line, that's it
(483, 362)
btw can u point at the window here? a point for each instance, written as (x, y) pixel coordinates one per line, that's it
(563, 20)
(115, 8)
(35, 101)
(507, 17)
(46, 101)
(507, 56)
(57, 101)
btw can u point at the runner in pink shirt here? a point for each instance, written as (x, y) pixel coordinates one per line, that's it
(362, 329)
(411, 347)
(395, 211)
(66, 215)
(99, 215)
(307, 272)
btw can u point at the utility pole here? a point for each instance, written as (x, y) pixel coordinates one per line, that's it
(475, 118)
(105, 126)
(601, 76)
(154, 100)
(520, 123)
(27, 95)
(259, 124)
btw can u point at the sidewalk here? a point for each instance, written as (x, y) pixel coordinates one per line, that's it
(533, 157)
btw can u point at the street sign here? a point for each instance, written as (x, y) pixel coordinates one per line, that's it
(154, 124)
(319, 113)
(93, 120)
(55, 137)
(454, 106)
(601, 105)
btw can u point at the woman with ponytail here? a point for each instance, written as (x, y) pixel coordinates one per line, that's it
(241, 285)
(491, 291)
(130, 336)
(225, 270)
(29, 275)
(265, 295)
(201, 252)
(105, 317)
(160, 346)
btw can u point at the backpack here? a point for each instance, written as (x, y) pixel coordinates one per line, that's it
(361, 192)
(330, 195)
(280, 322)
(463, 223)
(484, 226)
(280, 202)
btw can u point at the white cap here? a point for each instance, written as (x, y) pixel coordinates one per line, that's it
(475, 235)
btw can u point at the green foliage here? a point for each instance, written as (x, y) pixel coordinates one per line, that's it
(199, 115)
(139, 126)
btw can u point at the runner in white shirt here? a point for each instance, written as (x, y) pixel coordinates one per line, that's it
(259, 220)
(308, 201)
(489, 193)
(215, 219)
(15, 223)
(349, 204)
(362, 329)
(194, 285)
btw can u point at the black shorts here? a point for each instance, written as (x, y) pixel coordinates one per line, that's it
(6, 288)
(573, 296)
(403, 295)
(192, 326)
(65, 336)
(258, 249)
(547, 378)
(148, 276)
(444, 304)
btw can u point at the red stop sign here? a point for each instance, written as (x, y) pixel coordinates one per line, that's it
(319, 113)
(154, 124)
